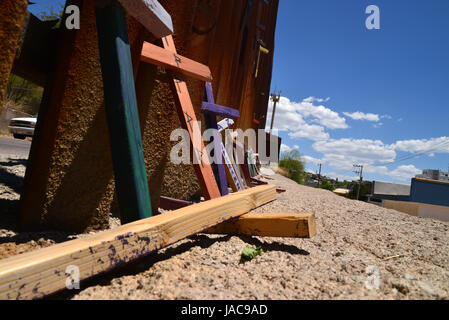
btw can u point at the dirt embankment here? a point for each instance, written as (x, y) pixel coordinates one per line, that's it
(350, 258)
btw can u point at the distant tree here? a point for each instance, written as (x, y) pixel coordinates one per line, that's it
(53, 15)
(293, 163)
(325, 184)
(365, 190)
(23, 95)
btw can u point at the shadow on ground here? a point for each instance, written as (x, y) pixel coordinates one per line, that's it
(145, 263)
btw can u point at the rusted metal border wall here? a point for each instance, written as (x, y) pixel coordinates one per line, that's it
(69, 182)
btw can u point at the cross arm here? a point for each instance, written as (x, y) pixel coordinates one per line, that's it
(151, 15)
(174, 62)
(221, 111)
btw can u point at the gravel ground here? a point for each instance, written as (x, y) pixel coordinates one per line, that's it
(349, 258)
(354, 243)
(12, 171)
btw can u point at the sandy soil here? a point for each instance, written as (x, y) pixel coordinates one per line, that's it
(355, 241)
(349, 258)
(12, 172)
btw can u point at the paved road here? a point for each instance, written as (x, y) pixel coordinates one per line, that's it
(10, 146)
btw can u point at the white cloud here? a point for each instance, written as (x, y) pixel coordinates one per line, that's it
(312, 132)
(322, 115)
(297, 118)
(378, 125)
(433, 145)
(312, 160)
(285, 148)
(346, 152)
(319, 100)
(405, 173)
(363, 116)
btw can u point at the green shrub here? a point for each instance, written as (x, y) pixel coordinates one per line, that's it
(291, 161)
(326, 185)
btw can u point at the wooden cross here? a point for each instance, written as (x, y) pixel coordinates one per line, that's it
(211, 111)
(177, 66)
(151, 15)
(122, 114)
(223, 125)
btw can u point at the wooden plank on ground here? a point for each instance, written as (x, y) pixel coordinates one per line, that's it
(174, 62)
(188, 120)
(122, 113)
(42, 272)
(168, 203)
(151, 15)
(286, 225)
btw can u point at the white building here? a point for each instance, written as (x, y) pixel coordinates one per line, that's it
(434, 175)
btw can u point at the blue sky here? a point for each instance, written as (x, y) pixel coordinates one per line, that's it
(44, 5)
(371, 97)
(358, 96)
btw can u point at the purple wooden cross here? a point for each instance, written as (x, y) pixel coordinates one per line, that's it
(211, 111)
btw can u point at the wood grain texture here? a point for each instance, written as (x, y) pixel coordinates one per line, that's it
(42, 272)
(151, 15)
(188, 120)
(174, 62)
(286, 225)
(122, 114)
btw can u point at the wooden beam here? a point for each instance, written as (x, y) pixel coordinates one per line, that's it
(151, 15)
(42, 272)
(287, 225)
(168, 203)
(187, 117)
(174, 62)
(122, 113)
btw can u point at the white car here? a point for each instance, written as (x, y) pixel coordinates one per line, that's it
(22, 127)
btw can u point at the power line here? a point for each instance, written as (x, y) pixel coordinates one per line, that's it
(432, 149)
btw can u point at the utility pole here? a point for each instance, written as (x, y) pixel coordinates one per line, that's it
(358, 169)
(319, 176)
(275, 98)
